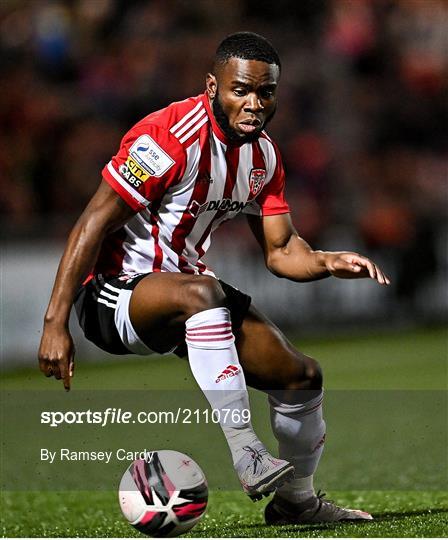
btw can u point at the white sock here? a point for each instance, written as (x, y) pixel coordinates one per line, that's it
(215, 366)
(300, 431)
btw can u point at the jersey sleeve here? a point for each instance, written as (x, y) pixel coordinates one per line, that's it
(150, 159)
(271, 200)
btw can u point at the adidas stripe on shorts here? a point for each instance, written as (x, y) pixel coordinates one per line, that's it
(102, 307)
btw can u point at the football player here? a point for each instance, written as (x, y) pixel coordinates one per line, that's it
(133, 268)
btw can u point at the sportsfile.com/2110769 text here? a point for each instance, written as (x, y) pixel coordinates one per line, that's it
(113, 415)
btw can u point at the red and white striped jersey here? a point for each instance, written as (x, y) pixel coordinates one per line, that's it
(183, 178)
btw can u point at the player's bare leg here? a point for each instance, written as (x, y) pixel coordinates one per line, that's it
(167, 308)
(162, 303)
(294, 384)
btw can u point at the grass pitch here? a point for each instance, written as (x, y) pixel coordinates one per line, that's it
(388, 436)
(229, 514)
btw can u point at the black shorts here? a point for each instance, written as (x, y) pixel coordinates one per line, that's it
(96, 315)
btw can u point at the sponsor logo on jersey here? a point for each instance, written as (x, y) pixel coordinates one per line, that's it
(133, 172)
(135, 181)
(230, 371)
(257, 179)
(129, 177)
(148, 156)
(136, 170)
(224, 205)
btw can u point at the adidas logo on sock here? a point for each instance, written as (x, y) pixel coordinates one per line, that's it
(230, 371)
(319, 444)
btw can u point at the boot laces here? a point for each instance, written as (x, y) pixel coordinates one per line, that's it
(327, 503)
(256, 455)
(320, 494)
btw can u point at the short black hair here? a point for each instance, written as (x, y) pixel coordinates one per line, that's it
(247, 46)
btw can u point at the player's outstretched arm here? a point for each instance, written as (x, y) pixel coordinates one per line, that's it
(105, 212)
(289, 256)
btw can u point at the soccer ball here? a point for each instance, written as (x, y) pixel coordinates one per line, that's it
(163, 495)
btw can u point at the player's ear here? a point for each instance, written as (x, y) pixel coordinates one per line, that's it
(211, 85)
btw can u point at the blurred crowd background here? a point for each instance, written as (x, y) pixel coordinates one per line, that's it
(362, 117)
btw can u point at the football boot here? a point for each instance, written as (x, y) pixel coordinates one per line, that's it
(313, 510)
(260, 473)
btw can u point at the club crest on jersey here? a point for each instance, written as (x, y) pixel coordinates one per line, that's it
(257, 179)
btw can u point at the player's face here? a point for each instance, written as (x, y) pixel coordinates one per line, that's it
(243, 95)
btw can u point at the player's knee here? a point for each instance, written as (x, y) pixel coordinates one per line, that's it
(308, 376)
(203, 293)
(313, 374)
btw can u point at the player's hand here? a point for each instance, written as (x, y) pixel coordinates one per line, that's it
(56, 354)
(348, 265)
